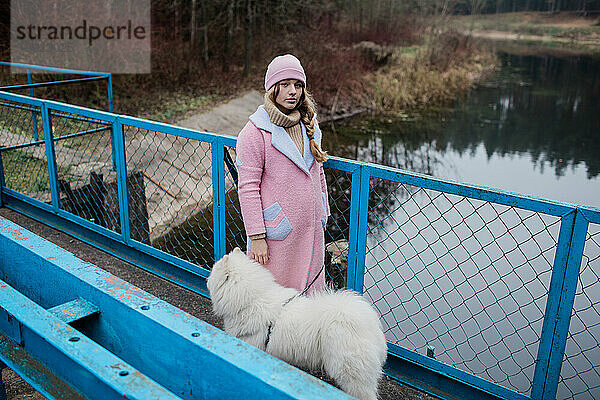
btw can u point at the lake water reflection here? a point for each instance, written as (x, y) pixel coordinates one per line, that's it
(533, 127)
(469, 277)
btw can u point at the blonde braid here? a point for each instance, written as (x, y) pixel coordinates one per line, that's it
(307, 113)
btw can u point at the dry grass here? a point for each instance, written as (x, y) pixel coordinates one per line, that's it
(421, 77)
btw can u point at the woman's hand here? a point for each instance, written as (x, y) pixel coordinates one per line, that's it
(259, 251)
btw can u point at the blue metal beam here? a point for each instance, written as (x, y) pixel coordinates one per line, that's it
(77, 360)
(109, 93)
(74, 310)
(361, 242)
(33, 114)
(592, 215)
(120, 165)
(165, 352)
(52, 83)
(32, 101)
(218, 197)
(352, 269)
(442, 380)
(54, 69)
(34, 372)
(559, 307)
(138, 254)
(50, 157)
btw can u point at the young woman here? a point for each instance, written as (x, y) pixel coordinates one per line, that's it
(282, 188)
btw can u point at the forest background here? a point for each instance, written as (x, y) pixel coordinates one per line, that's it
(383, 55)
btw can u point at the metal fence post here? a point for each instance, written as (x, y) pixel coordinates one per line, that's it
(218, 181)
(33, 114)
(118, 140)
(109, 91)
(109, 94)
(357, 243)
(50, 156)
(559, 306)
(2, 181)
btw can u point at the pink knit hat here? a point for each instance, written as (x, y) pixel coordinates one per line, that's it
(284, 67)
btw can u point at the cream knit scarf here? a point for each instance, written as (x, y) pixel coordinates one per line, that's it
(287, 121)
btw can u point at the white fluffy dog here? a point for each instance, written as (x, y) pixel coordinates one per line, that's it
(335, 331)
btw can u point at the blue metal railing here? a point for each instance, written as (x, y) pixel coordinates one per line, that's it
(406, 233)
(66, 329)
(91, 76)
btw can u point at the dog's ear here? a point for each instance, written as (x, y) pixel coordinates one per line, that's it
(237, 250)
(223, 261)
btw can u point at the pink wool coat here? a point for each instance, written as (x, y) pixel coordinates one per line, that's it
(284, 194)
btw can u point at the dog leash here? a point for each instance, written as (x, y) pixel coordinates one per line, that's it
(305, 289)
(268, 334)
(270, 327)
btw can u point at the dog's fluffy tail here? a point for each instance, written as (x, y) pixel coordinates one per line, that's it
(355, 347)
(353, 362)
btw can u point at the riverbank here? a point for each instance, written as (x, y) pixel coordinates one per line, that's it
(407, 79)
(428, 77)
(567, 32)
(412, 81)
(348, 78)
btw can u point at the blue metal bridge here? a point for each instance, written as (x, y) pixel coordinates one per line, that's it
(482, 293)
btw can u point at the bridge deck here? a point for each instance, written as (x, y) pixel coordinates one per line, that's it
(188, 301)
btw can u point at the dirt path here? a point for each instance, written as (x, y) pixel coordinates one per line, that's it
(182, 168)
(228, 118)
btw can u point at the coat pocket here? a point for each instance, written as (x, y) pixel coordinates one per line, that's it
(283, 228)
(281, 231)
(271, 212)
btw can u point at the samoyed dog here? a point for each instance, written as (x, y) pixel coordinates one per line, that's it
(336, 331)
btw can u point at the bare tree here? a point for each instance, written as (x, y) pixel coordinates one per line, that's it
(475, 6)
(229, 37)
(248, 39)
(193, 26)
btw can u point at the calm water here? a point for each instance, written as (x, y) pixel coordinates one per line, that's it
(533, 127)
(470, 278)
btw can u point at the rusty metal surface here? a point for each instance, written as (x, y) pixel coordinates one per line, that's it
(74, 310)
(19, 360)
(186, 300)
(137, 346)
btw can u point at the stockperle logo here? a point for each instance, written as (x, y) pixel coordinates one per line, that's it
(107, 36)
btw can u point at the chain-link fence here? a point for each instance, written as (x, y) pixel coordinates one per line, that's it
(24, 158)
(469, 278)
(177, 185)
(90, 89)
(483, 281)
